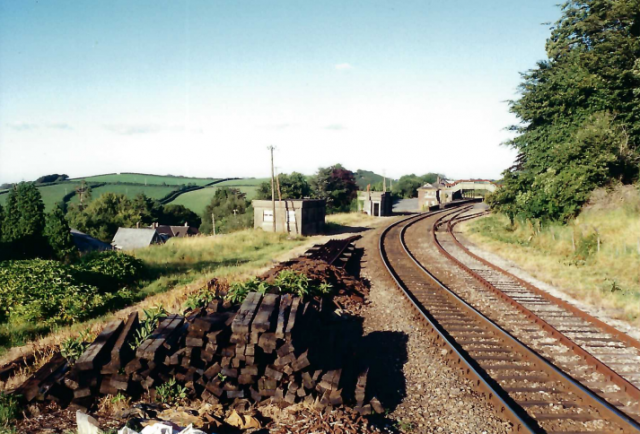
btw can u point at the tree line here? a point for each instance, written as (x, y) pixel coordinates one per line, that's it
(26, 231)
(579, 113)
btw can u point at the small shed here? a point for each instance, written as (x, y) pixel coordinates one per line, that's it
(136, 238)
(299, 217)
(375, 203)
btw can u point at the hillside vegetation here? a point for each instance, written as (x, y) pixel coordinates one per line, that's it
(579, 114)
(595, 257)
(198, 200)
(147, 179)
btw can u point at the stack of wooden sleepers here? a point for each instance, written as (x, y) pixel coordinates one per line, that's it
(281, 348)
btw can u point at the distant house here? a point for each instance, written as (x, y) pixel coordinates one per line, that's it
(87, 244)
(175, 231)
(136, 238)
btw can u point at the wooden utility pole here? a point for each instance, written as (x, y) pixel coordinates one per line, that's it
(213, 223)
(273, 194)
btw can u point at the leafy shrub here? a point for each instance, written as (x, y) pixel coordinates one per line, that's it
(120, 268)
(286, 282)
(9, 409)
(151, 319)
(237, 292)
(52, 293)
(72, 348)
(199, 299)
(171, 392)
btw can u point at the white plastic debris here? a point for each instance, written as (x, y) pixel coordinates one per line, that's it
(160, 428)
(87, 424)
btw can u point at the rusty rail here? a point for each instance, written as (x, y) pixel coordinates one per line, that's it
(600, 366)
(512, 410)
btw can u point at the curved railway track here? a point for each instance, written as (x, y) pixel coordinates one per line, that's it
(612, 358)
(527, 389)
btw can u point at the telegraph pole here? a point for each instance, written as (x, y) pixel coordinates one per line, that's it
(273, 193)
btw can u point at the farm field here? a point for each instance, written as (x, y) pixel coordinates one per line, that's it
(244, 182)
(51, 194)
(152, 191)
(198, 200)
(148, 179)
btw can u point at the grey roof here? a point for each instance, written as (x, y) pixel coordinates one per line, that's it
(86, 243)
(135, 238)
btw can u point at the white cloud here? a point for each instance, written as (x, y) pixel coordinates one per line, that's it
(335, 127)
(22, 126)
(343, 66)
(133, 129)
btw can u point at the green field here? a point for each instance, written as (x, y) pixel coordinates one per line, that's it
(195, 200)
(245, 182)
(51, 194)
(149, 179)
(198, 200)
(152, 191)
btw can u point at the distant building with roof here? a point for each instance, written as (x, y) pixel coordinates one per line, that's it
(136, 238)
(86, 243)
(175, 231)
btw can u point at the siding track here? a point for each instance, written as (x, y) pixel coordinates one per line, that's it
(610, 354)
(531, 392)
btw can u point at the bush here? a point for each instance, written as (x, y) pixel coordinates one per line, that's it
(120, 268)
(52, 293)
(9, 410)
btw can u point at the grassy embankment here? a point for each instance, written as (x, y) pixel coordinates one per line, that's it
(175, 269)
(595, 258)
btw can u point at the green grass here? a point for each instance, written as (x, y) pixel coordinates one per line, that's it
(149, 179)
(568, 256)
(244, 182)
(152, 191)
(198, 200)
(51, 194)
(177, 269)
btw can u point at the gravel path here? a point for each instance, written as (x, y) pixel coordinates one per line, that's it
(422, 393)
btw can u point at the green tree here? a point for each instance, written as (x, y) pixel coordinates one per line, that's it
(24, 222)
(293, 186)
(579, 113)
(407, 186)
(178, 215)
(150, 210)
(58, 235)
(337, 186)
(232, 212)
(102, 217)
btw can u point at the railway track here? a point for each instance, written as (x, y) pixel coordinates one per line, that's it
(610, 359)
(531, 392)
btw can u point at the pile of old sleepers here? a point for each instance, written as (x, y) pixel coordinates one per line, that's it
(281, 348)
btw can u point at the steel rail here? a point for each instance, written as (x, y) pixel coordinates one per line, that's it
(500, 397)
(515, 416)
(589, 394)
(599, 365)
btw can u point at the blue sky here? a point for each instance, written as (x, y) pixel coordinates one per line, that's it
(201, 88)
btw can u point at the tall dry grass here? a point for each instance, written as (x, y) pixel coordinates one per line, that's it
(595, 258)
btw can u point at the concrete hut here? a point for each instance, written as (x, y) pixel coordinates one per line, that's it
(298, 217)
(375, 203)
